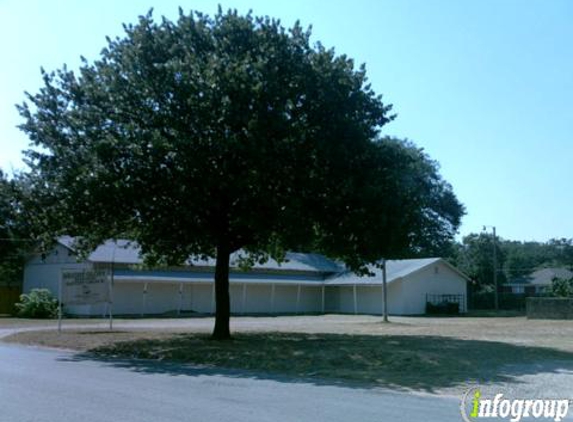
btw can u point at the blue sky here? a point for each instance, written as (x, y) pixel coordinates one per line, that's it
(485, 87)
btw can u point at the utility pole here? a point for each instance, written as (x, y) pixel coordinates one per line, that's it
(496, 290)
(384, 289)
(496, 297)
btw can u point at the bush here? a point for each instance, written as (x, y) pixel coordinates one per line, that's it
(39, 303)
(561, 287)
(443, 308)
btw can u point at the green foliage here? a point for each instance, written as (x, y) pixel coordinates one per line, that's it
(484, 300)
(561, 287)
(192, 134)
(14, 230)
(39, 303)
(524, 257)
(474, 257)
(208, 135)
(516, 259)
(443, 308)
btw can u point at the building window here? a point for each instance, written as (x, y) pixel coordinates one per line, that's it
(518, 289)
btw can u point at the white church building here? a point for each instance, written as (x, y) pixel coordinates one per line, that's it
(304, 283)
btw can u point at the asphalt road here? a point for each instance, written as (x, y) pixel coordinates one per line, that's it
(39, 385)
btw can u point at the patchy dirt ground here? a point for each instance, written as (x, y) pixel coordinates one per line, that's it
(437, 355)
(555, 334)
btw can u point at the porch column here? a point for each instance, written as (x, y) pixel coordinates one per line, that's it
(323, 304)
(272, 298)
(355, 299)
(180, 304)
(144, 299)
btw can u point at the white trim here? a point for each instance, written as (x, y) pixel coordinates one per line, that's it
(177, 280)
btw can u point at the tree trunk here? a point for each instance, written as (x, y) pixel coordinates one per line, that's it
(222, 299)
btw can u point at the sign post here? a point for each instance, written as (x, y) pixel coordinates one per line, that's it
(85, 286)
(60, 304)
(385, 290)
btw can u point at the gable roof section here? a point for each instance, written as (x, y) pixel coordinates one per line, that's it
(542, 277)
(123, 251)
(395, 270)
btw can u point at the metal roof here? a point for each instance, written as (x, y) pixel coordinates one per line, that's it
(318, 268)
(395, 269)
(542, 277)
(123, 251)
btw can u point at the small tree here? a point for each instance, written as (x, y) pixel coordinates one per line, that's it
(561, 287)
(209, 135)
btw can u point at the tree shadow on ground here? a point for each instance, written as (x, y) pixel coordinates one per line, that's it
(421, 363)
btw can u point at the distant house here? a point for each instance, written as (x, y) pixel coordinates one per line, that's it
(537, 282)
(305, 283)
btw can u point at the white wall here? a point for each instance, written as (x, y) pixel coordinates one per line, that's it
(198, 297)
(45, 274)
(405, 296)
(258, 298)
(412, 298)
(369, 299)
(202, 298)
(332, 299)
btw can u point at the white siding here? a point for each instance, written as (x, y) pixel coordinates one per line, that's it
(412, 298)
(161, 298)
(45, 274)
(258, 298)
(332, 299)
(369, 299)
(285, 299)
(310, 299)
(346, 300)
(406, 296)
(128, 299)
(202, 298)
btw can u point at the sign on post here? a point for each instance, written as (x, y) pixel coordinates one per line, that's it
(85, 287)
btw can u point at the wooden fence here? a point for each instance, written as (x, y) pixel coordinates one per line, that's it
(9, 295)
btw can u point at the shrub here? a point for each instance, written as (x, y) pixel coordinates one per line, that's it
(561, 287)
(39, 303)
(443, 308)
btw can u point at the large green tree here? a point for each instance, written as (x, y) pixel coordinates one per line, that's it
(15, 241)
(516, 259)
(474, 257)
(209, 135)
